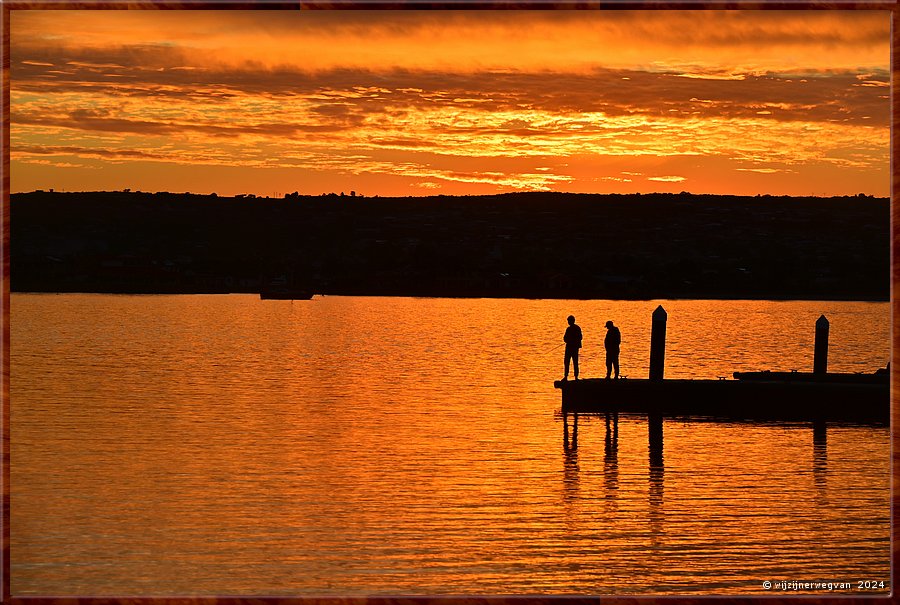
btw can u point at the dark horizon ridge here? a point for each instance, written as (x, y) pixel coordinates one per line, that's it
(545, 245)
(297, 195)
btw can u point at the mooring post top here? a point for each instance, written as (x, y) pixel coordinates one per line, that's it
(822, 321)
(660, 313)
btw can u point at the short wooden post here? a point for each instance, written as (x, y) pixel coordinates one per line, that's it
(658, 343)
(820, 360)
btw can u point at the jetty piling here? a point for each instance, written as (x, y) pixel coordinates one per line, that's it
(658, 343)
(820, 356)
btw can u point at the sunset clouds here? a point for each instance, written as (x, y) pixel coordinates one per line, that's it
(418, 102)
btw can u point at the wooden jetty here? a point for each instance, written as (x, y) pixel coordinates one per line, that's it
(793, 396)
(737, 399)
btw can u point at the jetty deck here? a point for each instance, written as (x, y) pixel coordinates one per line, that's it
(798, 399)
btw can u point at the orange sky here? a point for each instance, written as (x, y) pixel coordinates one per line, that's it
(458, 102)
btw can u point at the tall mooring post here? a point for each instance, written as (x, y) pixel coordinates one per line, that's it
(658, 343)
(820, 359)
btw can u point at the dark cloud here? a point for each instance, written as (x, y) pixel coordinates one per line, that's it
(88, 120)
(164, 73)
(401, 142)
(707, 27)
(91, 120)
(87, 151)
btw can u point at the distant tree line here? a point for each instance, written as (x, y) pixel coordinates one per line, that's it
(523, 245)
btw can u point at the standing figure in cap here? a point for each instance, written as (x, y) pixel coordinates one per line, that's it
(611, 342)
(572, 338)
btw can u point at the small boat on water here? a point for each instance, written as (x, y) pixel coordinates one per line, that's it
(285, 294)
(280, 288)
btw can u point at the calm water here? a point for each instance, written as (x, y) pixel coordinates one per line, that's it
(226, 445)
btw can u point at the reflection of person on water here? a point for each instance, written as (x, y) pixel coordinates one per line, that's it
(572, 338)
(611, 342)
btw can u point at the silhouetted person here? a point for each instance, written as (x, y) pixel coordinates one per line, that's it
(572, 338)
(611, 342)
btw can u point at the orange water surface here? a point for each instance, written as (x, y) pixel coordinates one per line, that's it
(211, 445)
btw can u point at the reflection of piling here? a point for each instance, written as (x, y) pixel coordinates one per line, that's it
(820, 442)
(820, 360)
(615, 425)
(573, 444)
(658, 343)
(820, 458)
(575, 431)
(612, 436)
(611, 459)
(655, 422)
(570, 474)
(820, 434)
(657, 478)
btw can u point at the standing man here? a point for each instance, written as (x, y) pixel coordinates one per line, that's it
(572, 338)
(611, 342)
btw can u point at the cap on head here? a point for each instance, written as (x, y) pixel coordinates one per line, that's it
(570, 319)
(609, 324)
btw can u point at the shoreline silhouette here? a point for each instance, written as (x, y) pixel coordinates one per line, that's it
(519, 245)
